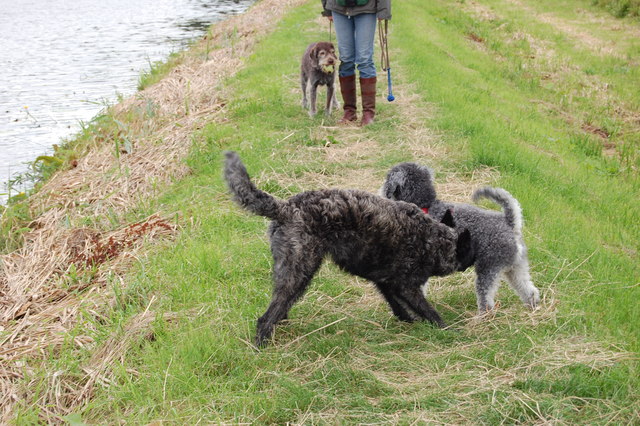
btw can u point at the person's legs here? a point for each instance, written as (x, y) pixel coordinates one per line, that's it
(365, 30)
(345, 33)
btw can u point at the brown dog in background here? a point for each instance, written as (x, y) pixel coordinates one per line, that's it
(318, 69)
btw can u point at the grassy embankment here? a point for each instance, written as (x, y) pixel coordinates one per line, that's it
(620, 8)
(493, 92)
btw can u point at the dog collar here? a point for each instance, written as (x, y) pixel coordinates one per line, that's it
(425, 210)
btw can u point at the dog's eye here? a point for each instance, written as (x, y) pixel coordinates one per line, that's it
(322, 53)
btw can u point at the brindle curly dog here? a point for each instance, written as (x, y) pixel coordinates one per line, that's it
(393, 244)
(318, 69)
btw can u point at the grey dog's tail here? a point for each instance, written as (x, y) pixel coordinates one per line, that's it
(510, 206)
(247, 195)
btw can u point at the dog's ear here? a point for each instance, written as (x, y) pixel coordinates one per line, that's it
(392, 191)
(447, 219)
(464, 250)
(314, 52)
(396, 193)
(392, 188)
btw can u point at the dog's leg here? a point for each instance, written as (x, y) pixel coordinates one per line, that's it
(292, 273)
(334, 98)
(424, 288)
(330, 99)
(396, 306)
(487, 284)
(313, 91)
(303, 84)
(520, 281)
(412, 296)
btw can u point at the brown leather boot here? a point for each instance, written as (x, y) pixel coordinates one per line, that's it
(349, 97)
(368, 92)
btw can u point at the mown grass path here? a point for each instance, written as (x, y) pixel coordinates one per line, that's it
(499, 92)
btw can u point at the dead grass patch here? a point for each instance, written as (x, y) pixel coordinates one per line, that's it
(49, 285)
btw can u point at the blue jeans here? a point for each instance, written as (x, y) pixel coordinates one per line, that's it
(355, 36)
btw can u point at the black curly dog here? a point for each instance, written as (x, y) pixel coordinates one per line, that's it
(391, 243)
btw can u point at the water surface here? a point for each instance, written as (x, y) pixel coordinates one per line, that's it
(62, 61)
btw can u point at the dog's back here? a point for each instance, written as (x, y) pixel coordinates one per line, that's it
(356, 228)
(493, 238)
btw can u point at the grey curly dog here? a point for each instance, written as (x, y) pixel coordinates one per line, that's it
(393, 244)
(496, 236)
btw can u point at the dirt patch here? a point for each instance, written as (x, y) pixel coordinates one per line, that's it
(475, 37)
(595, 130)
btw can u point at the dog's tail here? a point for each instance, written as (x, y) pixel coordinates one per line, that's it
(247, 195)
(510, 206)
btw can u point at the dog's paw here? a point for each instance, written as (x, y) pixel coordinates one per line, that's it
(441, 324)
(533, 298)
(485, 306)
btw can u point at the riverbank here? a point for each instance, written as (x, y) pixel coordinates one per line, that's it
(136, 293)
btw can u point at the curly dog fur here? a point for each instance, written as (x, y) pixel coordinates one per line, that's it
(497, 236)
(393, 244)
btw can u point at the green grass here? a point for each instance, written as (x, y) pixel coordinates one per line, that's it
(620, 8)
(157, 70)
(498, 104)
(571, 198)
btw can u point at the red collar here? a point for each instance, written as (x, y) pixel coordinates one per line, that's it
(425, 210)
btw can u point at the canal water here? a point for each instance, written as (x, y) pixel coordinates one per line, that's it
(62, 61)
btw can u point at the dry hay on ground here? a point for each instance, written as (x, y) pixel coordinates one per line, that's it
(49, 288)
